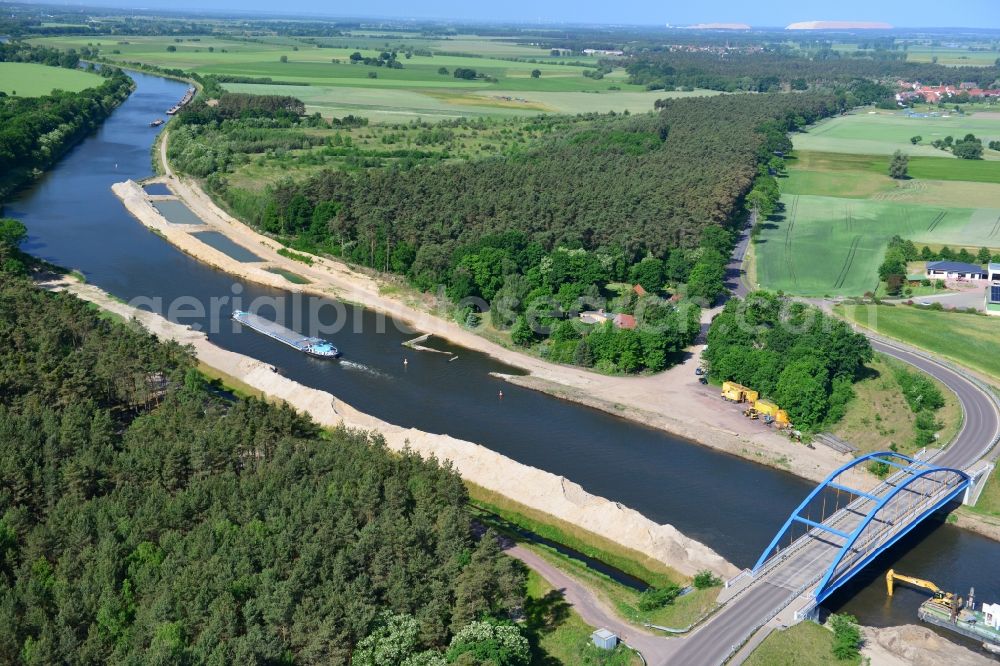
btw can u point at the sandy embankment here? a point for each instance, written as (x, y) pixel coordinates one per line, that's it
(672, 401)
(913, 645)
(532, 487)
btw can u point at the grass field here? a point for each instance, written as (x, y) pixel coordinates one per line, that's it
(827, 245)
(337, 87)
(884, 132)
(879, 415)
(840, 208)
(951, 56)
(804, 644)
(562, 637)
(26, 79)
(936, 332)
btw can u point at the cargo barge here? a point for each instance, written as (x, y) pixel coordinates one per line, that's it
(188, 96)
(982, 626)
(317, 347)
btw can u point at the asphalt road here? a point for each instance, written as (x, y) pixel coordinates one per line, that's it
(982, 422)
(715, 640)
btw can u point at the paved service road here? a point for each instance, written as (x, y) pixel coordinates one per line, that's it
(982, 423)
(712, 643)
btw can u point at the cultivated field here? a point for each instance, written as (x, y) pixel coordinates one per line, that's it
(884, 132)
(334, 86)
(841, 208)
(26, 79)
(831, 245)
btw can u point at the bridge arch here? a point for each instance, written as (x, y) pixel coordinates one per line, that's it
(830, 482)
(870, 507)
(954, 482)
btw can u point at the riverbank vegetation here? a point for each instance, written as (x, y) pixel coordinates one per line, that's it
(676, 603)
(36, 131)
(200, 527)
(632, 238)
(803, 644)
(803, 359)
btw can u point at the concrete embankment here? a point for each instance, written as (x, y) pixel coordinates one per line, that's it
(532, 487)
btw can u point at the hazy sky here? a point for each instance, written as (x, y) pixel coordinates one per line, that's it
(903, 13)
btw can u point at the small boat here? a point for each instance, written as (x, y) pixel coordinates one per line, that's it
(156, 123)
(317, 347)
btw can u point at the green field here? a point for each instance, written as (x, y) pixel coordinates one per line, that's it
(884, 132)
(951, 56)
(26, 79)
(395, 104)
(824, 245)
(335, 86)
(840, 207)
(803, 644)
(936, 332)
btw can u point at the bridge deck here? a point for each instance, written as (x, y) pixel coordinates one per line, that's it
(804, 564)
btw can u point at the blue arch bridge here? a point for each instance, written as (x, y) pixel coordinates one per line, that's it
(838, 529)
(832, 535)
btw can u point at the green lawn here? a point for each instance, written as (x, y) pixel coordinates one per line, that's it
(560, 636)
(884, 132)
(337, 87)
(26, 79)
(804, 644)
(971, 340)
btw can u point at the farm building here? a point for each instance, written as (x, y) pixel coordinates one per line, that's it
(954, 270)
(600, 316)
(993, 291)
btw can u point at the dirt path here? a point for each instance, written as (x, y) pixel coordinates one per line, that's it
(655, 649)
(673, 401)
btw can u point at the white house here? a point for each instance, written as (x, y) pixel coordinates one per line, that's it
(954, 270)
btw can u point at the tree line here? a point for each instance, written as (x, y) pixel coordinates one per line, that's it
(770, 71)
(605, 195)
(145, 517)
(36, 131)
(803, 359)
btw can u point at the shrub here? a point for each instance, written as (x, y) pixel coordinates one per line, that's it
(705, 579)
(658, 597)
(846, 636)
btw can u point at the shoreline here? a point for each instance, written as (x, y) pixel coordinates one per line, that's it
(649, 400)
(534, 488)
(641, 400)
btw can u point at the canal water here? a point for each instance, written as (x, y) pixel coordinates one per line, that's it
(732, 505)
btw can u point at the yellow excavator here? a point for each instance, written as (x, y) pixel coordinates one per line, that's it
(944, 599)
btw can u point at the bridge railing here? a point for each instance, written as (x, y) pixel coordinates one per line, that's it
(886, 485)
(873, 539)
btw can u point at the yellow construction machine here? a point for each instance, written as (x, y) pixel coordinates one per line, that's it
(944, 599)
(734, 392)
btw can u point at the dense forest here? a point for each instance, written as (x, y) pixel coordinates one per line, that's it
(768, 71)
(803, 359)
(541, 233)
(145, 518)
(36, 131)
